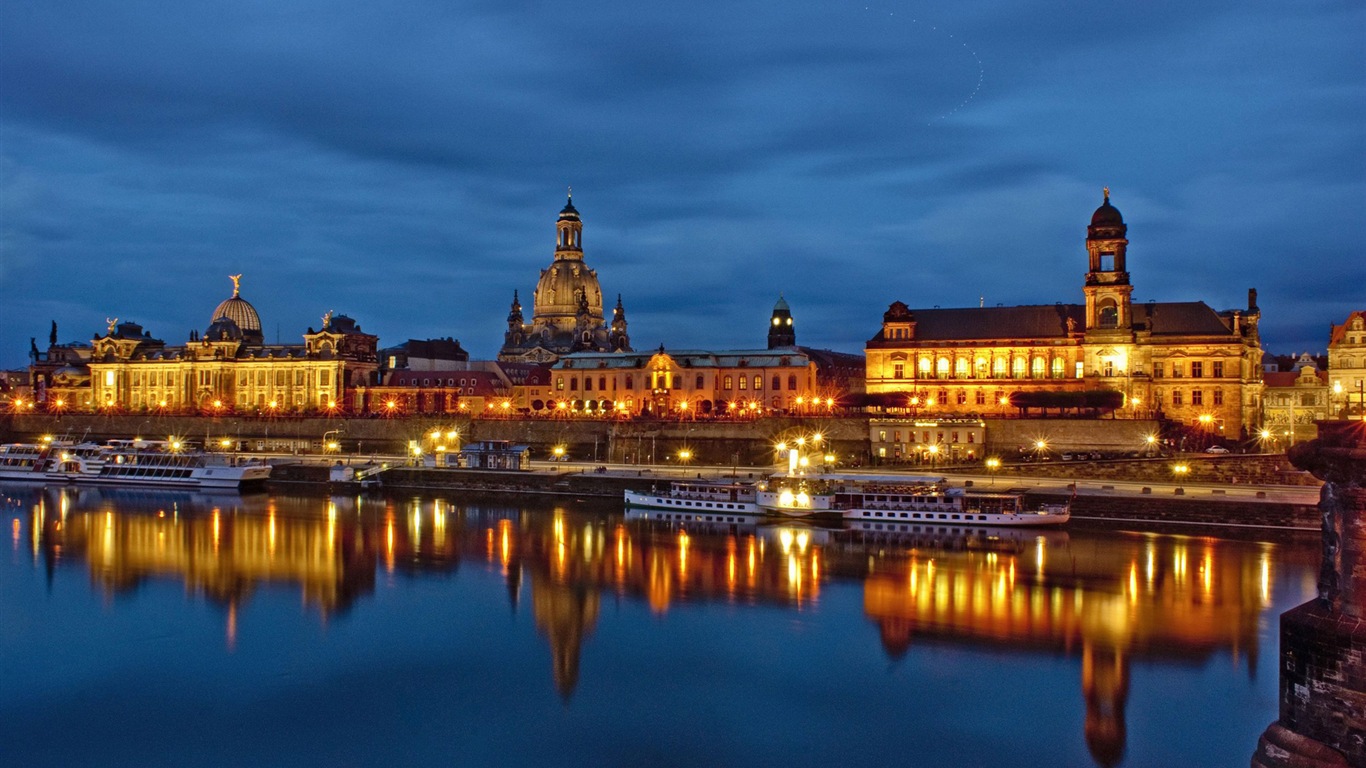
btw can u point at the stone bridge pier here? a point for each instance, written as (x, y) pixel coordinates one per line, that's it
(1323, 642)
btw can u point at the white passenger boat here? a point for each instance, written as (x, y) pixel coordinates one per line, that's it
(906, 499)
(24, 461)
(154, 463)
(699, 496)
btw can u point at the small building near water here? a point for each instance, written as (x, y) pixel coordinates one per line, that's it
(494, 454)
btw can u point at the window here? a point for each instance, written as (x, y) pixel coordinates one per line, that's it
(1107, 262)
(758, 382)
(791, 381)
(1218, 369)
(960, 368)
(1197, 369)
(1017, 368)
(998, 368)
(1081, 369)
(981, 398)
(630, 381)
(699, 381)
(899, 371)
(980, 367)
(730, 383)
(1157, 370)
(941, 368)
(777, 382)
(1176, 369)
(1176, 397)
(1057, 368)
(1037, 367)
(924, 367)
(1107, 367)
(587, 384)
(1197, 397)
(744, 380)
(1107, 314)
(559, 383)
(1218, 397)
(602, 383)
(882, 435)
(573, 385)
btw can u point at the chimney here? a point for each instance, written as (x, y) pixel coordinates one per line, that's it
(1251, 300)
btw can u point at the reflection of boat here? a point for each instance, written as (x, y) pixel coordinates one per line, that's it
(153, 463)
(699, 496)
(861, 533)
(902, 498)
(690, 517)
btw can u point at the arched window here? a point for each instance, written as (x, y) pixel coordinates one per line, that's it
(1037, 367)
(777, 382)
(699, 381)
(941, 368)
(960, 368)
(924, 367)
(792, 381)
(1057, 368)
(1107, 313)
(1017, 368)
(998, 367)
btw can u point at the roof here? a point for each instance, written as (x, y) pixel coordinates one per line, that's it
(433, 349)
(1339, 332)
(1277, 379)
(483, 383)
(1049, 321)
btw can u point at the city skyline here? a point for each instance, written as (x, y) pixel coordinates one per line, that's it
(405, 169)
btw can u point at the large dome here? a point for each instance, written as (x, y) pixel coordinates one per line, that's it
(561, 285)
(238, 310)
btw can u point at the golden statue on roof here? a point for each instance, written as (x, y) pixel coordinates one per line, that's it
(236, 284)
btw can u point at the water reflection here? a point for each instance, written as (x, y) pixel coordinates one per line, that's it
(1108, 598)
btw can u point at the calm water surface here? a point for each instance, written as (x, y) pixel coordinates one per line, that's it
(164, 628)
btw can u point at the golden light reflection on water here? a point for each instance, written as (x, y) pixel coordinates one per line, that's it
(1110, 597)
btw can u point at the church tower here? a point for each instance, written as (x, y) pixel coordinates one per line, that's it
(516, 327)
(1108, 292)
(781, 333)
(620, 341)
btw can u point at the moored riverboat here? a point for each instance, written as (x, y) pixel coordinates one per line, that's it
(700, 496)
(154, 463)
(910, 499)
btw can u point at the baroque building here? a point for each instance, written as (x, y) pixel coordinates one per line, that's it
(226, 368)
(1347, 367)
(1179, 360)
(567, 314)
(1292, 401)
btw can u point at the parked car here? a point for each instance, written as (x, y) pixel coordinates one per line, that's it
(1216, 449)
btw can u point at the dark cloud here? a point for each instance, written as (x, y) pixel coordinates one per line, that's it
(404, 164)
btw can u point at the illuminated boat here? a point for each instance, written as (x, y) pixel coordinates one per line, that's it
(902, 498)
(699, 496)
(24, 461)
(154, 463)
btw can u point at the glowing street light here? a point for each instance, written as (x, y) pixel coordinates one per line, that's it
(993, 464)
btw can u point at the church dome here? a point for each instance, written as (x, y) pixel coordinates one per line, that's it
(562, 284)
(238, 310)
(1107, 215)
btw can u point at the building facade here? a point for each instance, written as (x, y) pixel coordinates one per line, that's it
(567, 313)
(1347, 367)
(1292, 401)
(1179, 360)
(225, 369)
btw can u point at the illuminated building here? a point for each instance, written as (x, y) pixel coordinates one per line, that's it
(927, 440)
(1293, 400)
(1347, 367)
(1180, 360)
(566, 307)
(227, 368)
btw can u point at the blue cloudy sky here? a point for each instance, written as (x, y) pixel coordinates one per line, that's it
(403, 163)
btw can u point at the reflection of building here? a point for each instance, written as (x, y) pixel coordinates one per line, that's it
(228, 367)
(1293, 400)
(1163, 598)
(566, 307)
(1347, 366)
(1182, 359)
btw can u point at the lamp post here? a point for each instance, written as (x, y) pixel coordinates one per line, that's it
(1180, 471)
(993, 464)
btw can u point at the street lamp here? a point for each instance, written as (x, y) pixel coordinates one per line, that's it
(1180, 471)
(993, 464)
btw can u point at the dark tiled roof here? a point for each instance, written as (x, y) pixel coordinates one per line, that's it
(1194, 318)
(969, 323)
(1049, 321)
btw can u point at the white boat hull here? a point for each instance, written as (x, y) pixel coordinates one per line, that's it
(665, 501)
(1027, 518)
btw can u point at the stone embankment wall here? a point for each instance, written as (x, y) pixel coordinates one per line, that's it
(1167, 512)
(1261, 469)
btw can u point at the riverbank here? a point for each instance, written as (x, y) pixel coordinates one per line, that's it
(1148, 507)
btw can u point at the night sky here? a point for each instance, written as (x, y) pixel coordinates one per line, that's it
(403, 163)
